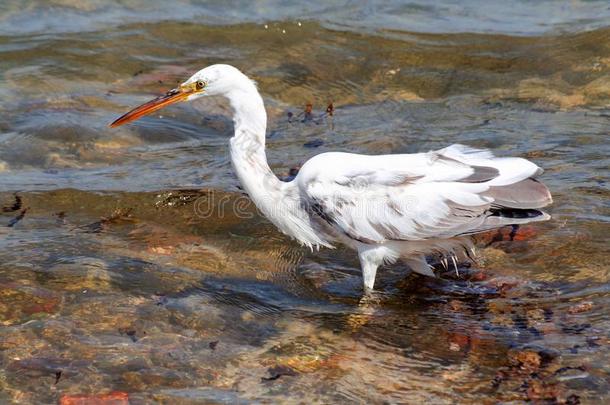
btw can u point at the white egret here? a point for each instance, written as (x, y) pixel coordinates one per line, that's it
(386, 206)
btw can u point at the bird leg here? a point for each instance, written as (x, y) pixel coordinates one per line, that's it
(369, 272)
(369, 301)
(371, 257)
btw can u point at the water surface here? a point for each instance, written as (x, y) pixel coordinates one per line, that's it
(113, 280)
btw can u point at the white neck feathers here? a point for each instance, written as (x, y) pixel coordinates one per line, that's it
(277, 200)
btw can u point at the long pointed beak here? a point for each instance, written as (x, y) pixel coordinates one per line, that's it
(171, 97)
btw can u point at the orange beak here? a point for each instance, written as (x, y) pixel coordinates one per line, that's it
(171, 97)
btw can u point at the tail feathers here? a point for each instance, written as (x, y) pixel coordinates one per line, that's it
(525, 194)
(510, 216)
(511, 170)
(499, 217)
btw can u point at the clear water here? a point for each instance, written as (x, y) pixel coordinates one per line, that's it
(111, 280)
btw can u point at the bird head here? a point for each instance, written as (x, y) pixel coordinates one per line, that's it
(210, 81)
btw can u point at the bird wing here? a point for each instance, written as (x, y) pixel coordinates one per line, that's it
(443, 193)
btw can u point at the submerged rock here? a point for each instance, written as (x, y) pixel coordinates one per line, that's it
(112, 398)
(19, 303)
(82, 273)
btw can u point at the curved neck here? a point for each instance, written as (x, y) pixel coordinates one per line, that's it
(248, 144)
(250, 117)
(277, 200)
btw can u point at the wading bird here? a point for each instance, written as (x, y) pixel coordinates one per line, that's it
(385, 207)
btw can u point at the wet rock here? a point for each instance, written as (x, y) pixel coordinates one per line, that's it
(548, 328)
(541, 390)
(573, 400)
(594, 341)
(155, 78)
(161, 250)
(16, 219)
(506, 286)
(315, 143)
(532, 358)
(116, 143)
(575, 328)
(176, 199)
(314, 363)
(581, 307)
(196, 396)
(19, 303)
(308, 115)
(279, 371)
(554, 93)
(497, 235)
(15, 205)
(454, 347)
(458, 342)
(304, 354)
(457, 306)
(478, 276)
(196, 313)
(13, 338)
(82, 273)
(455, 374)
(112, 398)
(129, 332)
(55, 160)
(571, 373)
(535, 314)
(406, 95)
(528, 360)
(146, 379)
(162, 240)
(598, 91)
(49, 369)
(117, 216)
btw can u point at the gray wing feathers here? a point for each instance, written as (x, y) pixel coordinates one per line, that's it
(454, 191)
(526, 194)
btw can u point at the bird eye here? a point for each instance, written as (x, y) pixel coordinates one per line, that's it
(199, 84)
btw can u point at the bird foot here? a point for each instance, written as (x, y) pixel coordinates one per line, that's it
(370, 299)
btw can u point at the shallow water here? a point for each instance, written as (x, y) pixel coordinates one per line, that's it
(113, 280)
